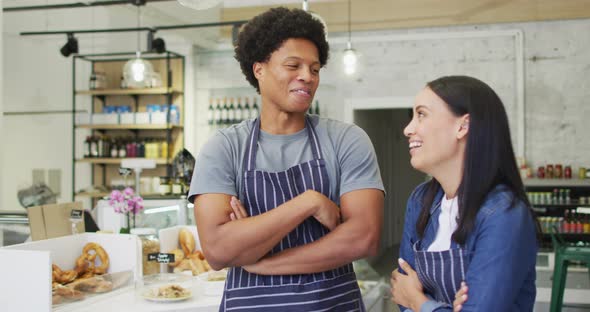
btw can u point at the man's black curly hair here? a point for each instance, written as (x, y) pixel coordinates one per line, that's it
(265, 33)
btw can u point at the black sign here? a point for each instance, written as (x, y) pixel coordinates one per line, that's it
(76, 214)
(161, 257)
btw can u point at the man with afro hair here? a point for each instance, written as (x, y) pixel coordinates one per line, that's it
(287, 200)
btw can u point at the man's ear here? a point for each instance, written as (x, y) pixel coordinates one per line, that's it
(464, 127)
(257, 68)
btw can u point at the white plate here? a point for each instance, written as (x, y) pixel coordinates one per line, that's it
(211, 288)
(157, 299)
(205, 276)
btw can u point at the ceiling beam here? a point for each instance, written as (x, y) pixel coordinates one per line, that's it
(391, 14)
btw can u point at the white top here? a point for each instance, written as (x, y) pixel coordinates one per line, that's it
(447, 224)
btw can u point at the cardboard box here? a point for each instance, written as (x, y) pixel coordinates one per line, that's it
(26, 268)
(49, 221)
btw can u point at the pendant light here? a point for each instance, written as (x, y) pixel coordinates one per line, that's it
(350, 56)
(138, 72)
(316, 16)
(199, 4)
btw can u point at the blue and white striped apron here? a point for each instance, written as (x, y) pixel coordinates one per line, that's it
(333, 290)
(441, 272)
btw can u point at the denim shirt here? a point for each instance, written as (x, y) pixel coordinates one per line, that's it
(502, 248)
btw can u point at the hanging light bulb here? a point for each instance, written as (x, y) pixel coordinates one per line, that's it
(199, 4)
(316, 16)
(350, 56)
(138, 72)
(349, 59)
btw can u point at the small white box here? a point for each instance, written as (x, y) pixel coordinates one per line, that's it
(127, 118)
(105, 119)
(83, 118)
(142, 118)
(158, 118)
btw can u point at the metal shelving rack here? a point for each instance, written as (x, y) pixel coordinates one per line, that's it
(172, 67)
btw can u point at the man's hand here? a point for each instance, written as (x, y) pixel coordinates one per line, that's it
(406, 290)
(238, 210)
(327, 213)
(460, 297)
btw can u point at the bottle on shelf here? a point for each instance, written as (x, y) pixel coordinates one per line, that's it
(587, 224)
(211, 113)
(225, 112)
(218, 113)
(255, 110)
(114, 148)
(93, 147)
(123, 83)
(246, 111)
(122, 148)
(92, 81)
(317, 108)
(239, 111)
(579, 224)
(231, 115)
(566, 222)
(87, 147)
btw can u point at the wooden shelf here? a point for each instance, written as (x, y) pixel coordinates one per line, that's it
(130, 127)
(92, 194)
(154, 91)
(115, 161)
(145, 197)
(556, 182)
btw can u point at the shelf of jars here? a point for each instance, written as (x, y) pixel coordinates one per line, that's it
(131, 127)
(535, 182)
(146, 91)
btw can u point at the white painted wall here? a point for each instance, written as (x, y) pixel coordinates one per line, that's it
(39, 78)
(1, 106)
(556, 84)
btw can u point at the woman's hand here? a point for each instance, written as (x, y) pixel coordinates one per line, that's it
(239, 212)
(460, 297)
(406, 290)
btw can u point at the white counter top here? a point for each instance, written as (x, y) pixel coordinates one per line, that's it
(126, 300)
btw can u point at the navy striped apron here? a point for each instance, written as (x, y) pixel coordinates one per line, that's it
(333, 290)
(441, 272)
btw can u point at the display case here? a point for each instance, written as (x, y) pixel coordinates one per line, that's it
(14, 228)
(563, 204)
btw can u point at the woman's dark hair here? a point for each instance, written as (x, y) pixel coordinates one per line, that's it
(489, 158)
(265, 33)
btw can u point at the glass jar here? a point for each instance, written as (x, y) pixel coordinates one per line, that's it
(165, 187)
(549, 171)
(150, 244)
(177, 186)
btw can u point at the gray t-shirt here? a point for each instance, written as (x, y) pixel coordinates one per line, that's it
(350, 157)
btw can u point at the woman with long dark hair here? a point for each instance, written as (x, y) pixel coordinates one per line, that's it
(471, 223)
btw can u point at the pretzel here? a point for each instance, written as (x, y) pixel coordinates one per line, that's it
(91, 257)
(62, 277)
